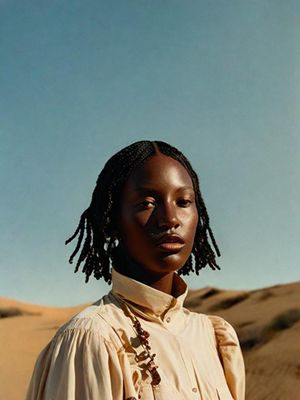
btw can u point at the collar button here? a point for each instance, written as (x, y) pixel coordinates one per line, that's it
(168, 319)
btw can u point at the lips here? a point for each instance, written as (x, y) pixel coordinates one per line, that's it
(170, 243)
(170, 239)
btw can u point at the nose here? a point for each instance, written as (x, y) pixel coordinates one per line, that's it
(167, 216)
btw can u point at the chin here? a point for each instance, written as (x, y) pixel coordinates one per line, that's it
(171, 262)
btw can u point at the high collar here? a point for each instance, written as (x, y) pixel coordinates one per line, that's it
(147, 299)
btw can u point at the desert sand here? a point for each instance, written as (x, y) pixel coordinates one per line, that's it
(267, 322)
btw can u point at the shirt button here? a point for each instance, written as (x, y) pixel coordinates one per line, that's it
(195, 390)
(168, 319)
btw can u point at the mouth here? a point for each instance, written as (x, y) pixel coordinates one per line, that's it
(170, 243)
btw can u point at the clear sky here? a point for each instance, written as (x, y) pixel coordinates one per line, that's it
(79, 80)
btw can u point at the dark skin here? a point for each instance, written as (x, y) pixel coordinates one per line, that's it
(157, 199)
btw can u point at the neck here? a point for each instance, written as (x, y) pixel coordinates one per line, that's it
(162, 282)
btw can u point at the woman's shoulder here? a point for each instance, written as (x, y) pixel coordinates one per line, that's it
(84, 343)
(92, 321)
(224, 331)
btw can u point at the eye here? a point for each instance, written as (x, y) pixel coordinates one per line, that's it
(184, 202)
(146, 204)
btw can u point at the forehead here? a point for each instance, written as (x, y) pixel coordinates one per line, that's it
(159, 172)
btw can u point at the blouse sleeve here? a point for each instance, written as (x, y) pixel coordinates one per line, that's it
(231, 356)
(77, 365)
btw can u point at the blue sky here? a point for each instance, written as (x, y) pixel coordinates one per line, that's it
(81, 79)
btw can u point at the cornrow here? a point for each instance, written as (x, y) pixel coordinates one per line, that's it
(97, 225)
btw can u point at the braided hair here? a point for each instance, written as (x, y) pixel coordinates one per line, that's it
(96, 230)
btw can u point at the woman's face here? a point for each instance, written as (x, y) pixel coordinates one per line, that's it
(158, 216)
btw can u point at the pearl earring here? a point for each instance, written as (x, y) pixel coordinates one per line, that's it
(115, 243)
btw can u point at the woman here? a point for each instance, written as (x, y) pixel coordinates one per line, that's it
(148, 220)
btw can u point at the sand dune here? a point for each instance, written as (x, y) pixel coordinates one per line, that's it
(267, 321)
(268, 324)
(22, 338)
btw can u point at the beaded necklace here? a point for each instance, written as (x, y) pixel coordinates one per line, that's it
(143, 337)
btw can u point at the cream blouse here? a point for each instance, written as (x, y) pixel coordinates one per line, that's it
(94, 355)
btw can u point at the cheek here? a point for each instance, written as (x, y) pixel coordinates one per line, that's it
(192, 228)
(190, 220)
(132, 228)
(135, 242)
(195, 223)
